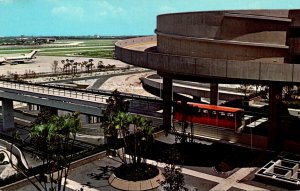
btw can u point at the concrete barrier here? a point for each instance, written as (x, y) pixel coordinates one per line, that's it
(15, 151)
(220, 69)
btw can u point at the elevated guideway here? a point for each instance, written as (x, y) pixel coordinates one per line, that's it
(60, 98)
(88, 102)
(194, 89)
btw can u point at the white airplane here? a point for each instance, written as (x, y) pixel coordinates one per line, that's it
(25, 58)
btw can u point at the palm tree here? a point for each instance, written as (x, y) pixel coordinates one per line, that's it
(84, 63)
(142, 136)
(66, 67)
(100, 65)
(68, 64)
(55, 140)
(71, 65)
(90, 65)
(54, 66)
(115, 104)
(120, 124)
(74, 67)
(63, 63)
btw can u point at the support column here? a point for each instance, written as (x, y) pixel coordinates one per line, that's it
(8, 114)
(87, 119)
(29, 106)
(214, 93)
(167, 102)
(94, 119)
(197, 99)
(274, 122)
(98, 120)
(293, 38)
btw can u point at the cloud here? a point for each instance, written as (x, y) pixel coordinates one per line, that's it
(53, 1)
(109, 9)
(5, 1)
(68, 11)
(166, 9)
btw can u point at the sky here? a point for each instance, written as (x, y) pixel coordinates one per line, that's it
(107, 17)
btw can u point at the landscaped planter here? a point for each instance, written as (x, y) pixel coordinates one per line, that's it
(136, 185)
(111, 152)
(47, 176)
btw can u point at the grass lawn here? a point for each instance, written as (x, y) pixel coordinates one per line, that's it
(96, 53)
(99, 48)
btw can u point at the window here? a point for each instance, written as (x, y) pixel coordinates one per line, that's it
(221, 115)
(204, 112)
(230, 116)
(213, 114)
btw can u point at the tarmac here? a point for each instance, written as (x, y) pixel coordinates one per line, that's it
(44, 64)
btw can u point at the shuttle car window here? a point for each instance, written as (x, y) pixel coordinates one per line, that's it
(221, 115)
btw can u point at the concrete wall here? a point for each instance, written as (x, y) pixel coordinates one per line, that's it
(15, 151)
(293, 37)
(253, 46)
(201, 24)
(252, 30)
(228, 25)
(201, 92)
(235, 35)
(219, 49)
(219, 69)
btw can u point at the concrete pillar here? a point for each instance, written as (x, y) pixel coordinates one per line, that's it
(87, 119)
(29, 106)
(274, 121)
(93, 119)
(33, 107)
(167, 96)
(293, 37)
(197, 99)
(214, 93)
(98, 120)
(8, 114)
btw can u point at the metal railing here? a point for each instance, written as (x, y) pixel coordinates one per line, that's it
(94, 96)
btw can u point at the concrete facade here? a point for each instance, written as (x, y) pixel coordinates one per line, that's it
(216, 44)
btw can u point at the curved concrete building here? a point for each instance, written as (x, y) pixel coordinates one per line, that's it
(250, 46)
(247, 45)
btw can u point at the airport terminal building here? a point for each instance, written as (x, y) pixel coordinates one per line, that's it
(218, 47)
